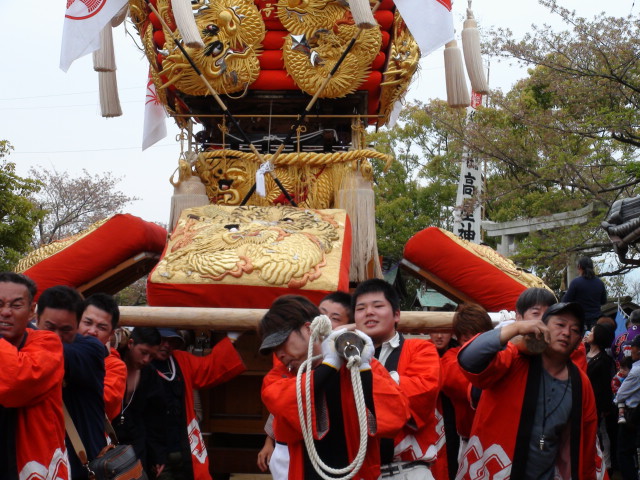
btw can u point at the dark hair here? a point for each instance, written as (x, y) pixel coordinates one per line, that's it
(607, 321)
(376, 285)
(287, 313)
(586, 265)
(470, 319)
(603, 335)
(343, 298)
(147, 335)
(626, 362)
(18, 278)
(532, 297)
(634, 317)
(61, 297)
(107, 304)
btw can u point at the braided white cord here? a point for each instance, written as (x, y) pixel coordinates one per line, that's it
(320, 327)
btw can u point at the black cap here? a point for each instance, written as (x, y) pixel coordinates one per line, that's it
(565, 307)
(170, 333)
(635, 342)
(273, 340)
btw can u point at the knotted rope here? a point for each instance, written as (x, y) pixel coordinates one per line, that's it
(321, 327)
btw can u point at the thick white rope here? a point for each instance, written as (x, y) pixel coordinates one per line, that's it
(321, 327)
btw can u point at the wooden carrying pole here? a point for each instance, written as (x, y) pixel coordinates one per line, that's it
(243, 319)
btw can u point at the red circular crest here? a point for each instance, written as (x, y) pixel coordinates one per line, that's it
(83, 9)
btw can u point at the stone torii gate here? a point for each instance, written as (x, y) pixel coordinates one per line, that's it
(508, 230)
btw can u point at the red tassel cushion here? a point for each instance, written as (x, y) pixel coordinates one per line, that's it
(91, 253)
(478, 271)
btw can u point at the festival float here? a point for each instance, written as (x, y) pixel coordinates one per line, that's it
(273, 185)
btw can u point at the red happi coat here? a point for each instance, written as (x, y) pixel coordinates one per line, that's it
(494, 448)
(419, 370)
(440, 467)
(221, 365)
(456, 386)
(115, 383)
(579, 357)
(31, 382)
(391, 413)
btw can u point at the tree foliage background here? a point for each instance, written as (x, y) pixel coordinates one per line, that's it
(18, 215)
(563, 137)
(72, 203)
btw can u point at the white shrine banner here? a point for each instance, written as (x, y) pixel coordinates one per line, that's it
(467, 215)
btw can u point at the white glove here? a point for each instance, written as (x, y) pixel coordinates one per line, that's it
(330, 355)
(233, 336)
(367, 352)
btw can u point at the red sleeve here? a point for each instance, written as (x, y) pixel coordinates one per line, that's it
(454, 383)
(391, 406)
(579, 357)
(419, 370)
(115, 383)
(221, 365)
(498, 367)
(588, 437)
(30, 373)
(279, 397)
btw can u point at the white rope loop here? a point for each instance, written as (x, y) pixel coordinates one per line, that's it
(321, 327)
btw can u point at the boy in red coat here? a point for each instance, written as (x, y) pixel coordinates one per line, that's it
(100, 319)
(415, 366)
(181, 373)
(286, 332)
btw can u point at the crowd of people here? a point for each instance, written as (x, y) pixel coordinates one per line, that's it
(59, 366)
(533, 398)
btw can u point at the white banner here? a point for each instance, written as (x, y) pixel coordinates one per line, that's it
(83, 22)
(155, 116)
(429, 21)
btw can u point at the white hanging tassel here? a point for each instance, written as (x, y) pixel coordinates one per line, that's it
(183, 13)
(188, 191)
(104, 59)
(109, 99)
(457, 91)
(362, 14)
(356, 196)
(472, 55)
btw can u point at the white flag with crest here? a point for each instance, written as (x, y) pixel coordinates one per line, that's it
(83, 22)
(155, 127)
(429, 21)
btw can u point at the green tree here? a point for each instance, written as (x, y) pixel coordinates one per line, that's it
(18, 215)
(562, 138)
(419, 188)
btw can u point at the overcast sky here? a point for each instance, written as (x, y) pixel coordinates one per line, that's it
(53, 119)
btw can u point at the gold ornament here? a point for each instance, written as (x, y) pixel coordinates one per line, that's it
(232, 31)
(404, 56)
(266, 246)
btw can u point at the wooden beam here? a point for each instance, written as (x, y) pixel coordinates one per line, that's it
(243, 319)
(122, 275)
